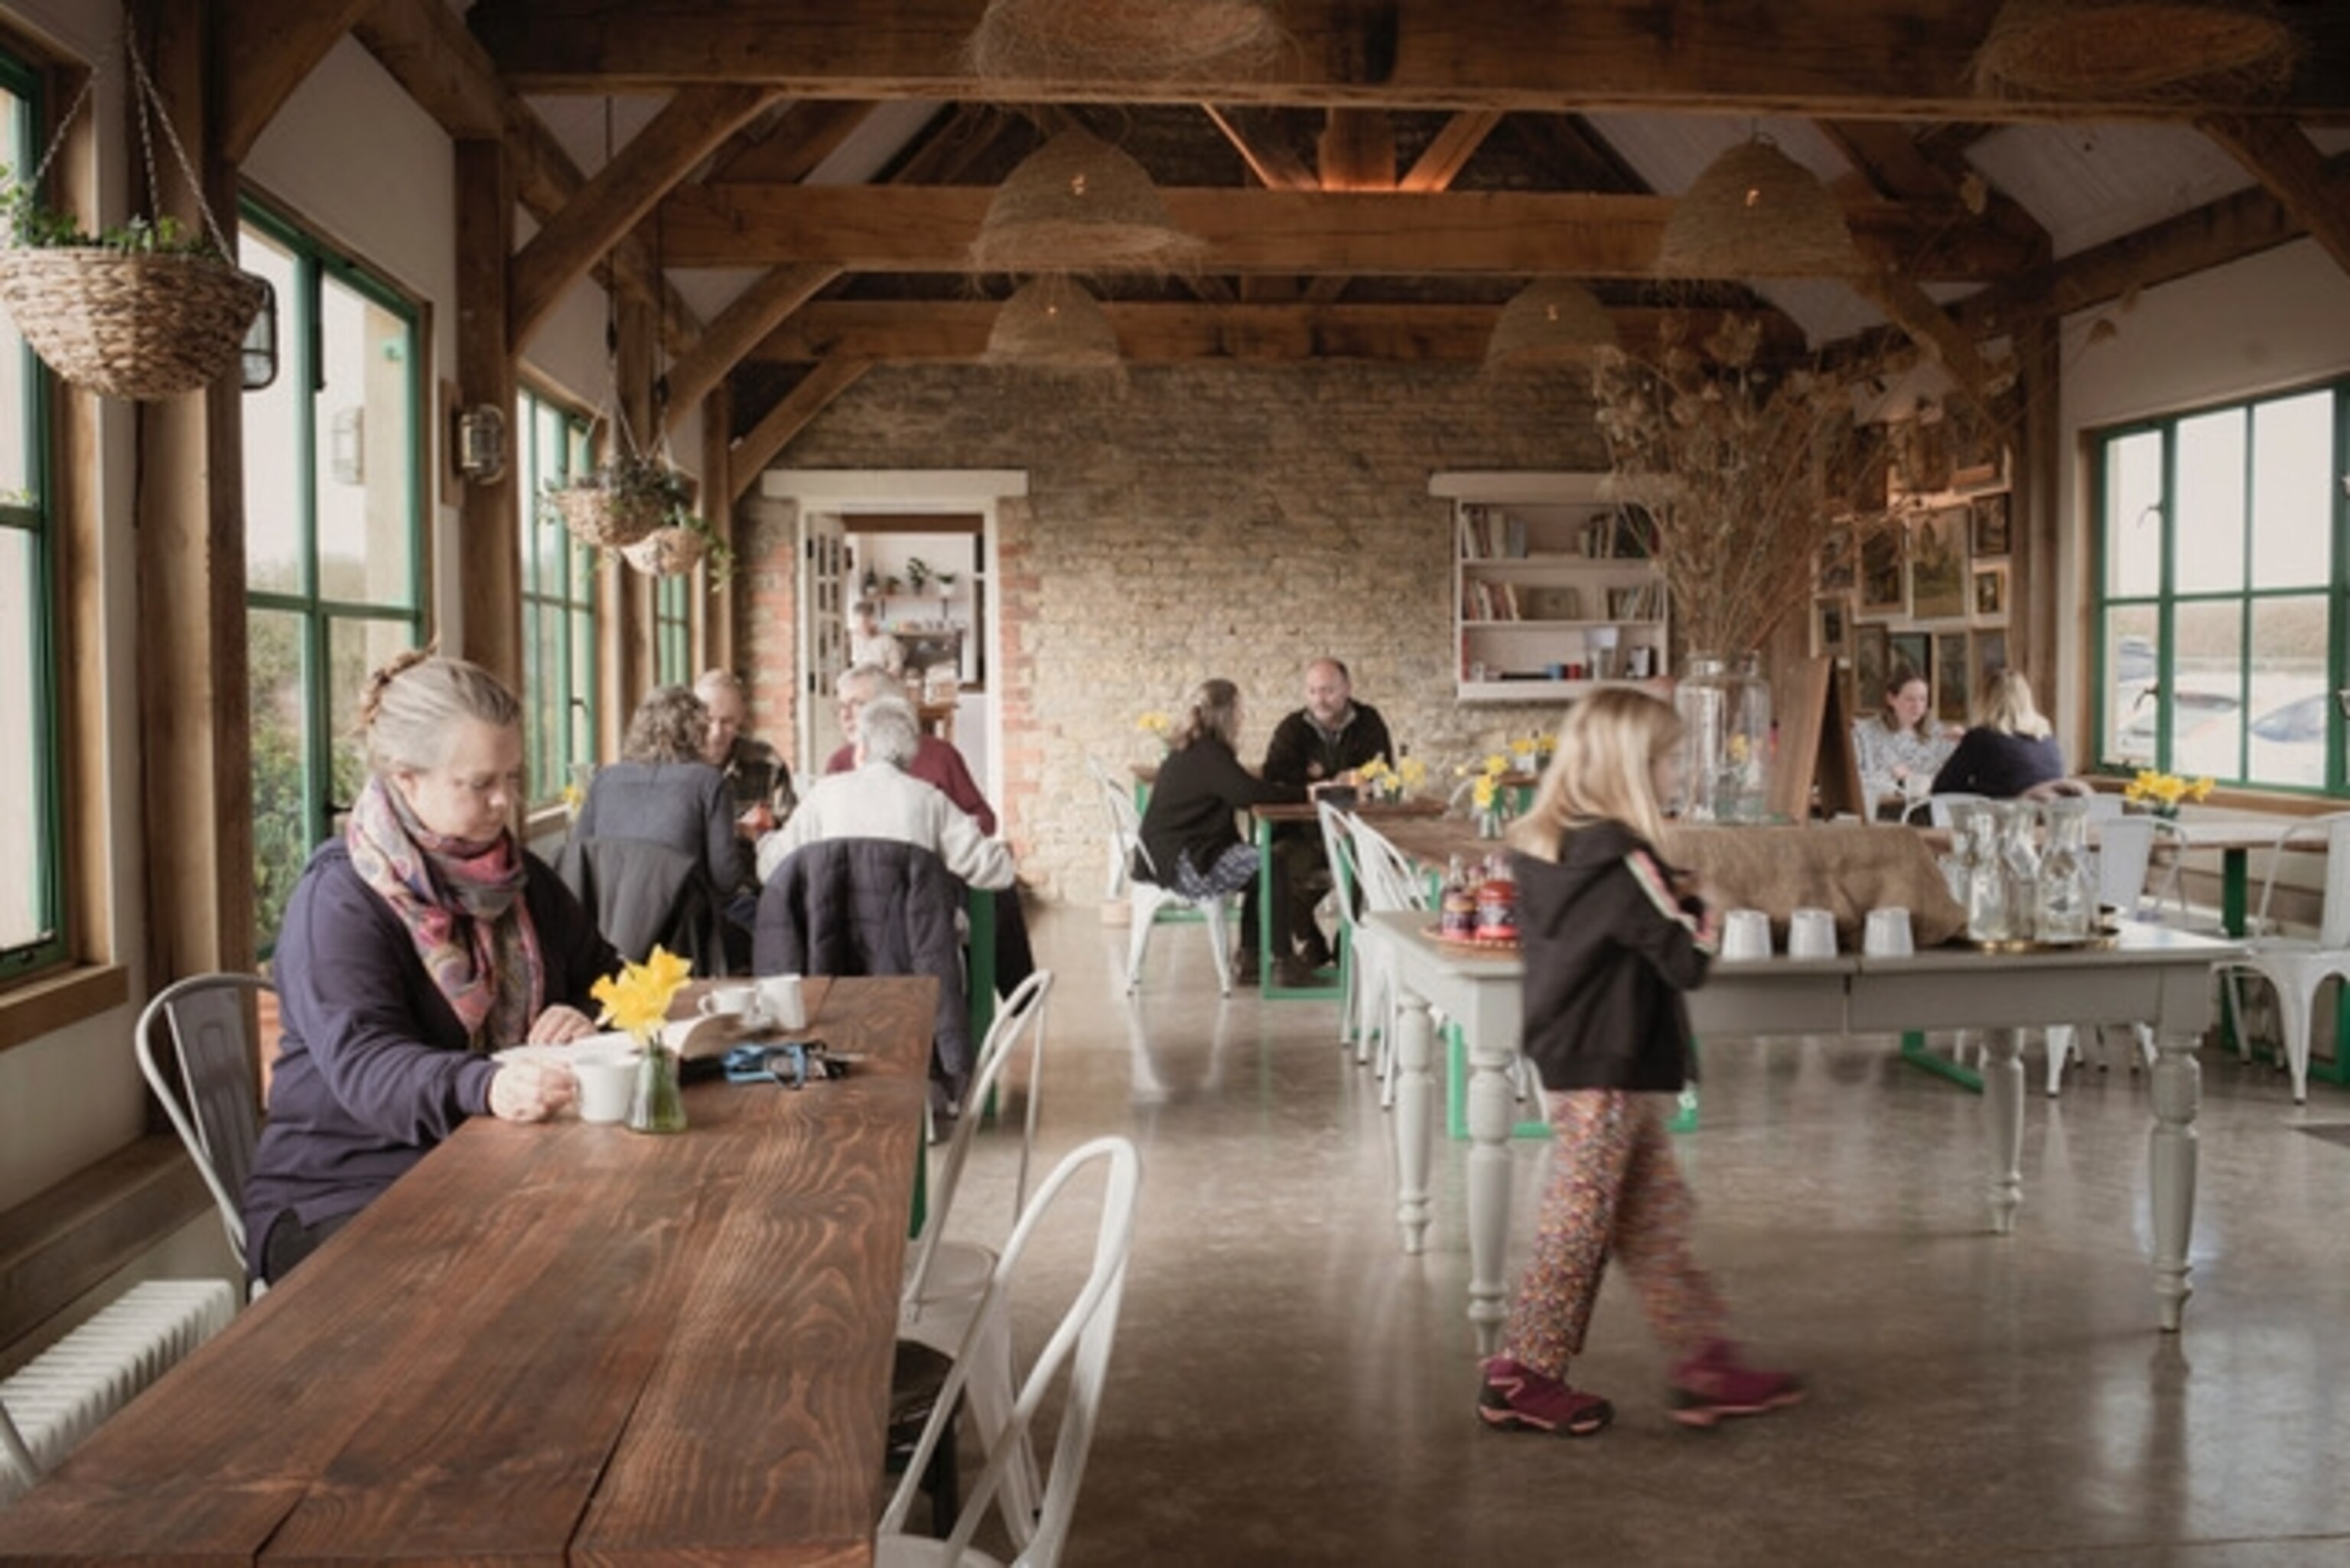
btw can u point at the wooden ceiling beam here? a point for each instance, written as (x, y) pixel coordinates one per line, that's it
(423, 46)
(930, 229)
(1440, 162)
(790, 142)
(1931, 327)
(1825, 59)
(755, 313)
(1356, 151)
(957, 330)
(1276, 167)
(267, 47)
(2290, 168)
(688, 128)
(814, 392)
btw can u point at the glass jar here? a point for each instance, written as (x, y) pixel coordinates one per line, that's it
(2064, 902)
(1726, 738)
(1703, 698)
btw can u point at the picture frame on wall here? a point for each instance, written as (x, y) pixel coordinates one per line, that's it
(1913, 648)
(1884, 580)
(1991, 526)
(1872, 661)
(1835, 572)
(1990, 594)
(1953, 692)
(1989, 655)
(1938, 565)
(1831, 626)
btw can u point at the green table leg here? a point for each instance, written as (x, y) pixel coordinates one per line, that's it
(1914, 1052)
(1268, 985)
(921, 1187)
(2235, 883)
(1684, 1119)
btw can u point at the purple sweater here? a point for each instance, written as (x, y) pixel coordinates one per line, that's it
(374, 1069)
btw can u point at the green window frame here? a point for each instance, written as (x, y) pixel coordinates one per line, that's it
(673, 630)
(2222, 609)
(33, 903)
(561, 619)
(335, 498)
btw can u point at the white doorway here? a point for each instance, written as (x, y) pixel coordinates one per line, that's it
(823, 633)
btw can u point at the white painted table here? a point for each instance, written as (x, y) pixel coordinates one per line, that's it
(2155, 976)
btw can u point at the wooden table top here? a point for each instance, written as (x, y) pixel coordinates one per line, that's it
(555, 1343)
(1418, 808)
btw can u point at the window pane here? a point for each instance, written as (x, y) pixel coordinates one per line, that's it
(282, 795)
(581, 725)
(2290, 703)
(355, 650)
(17, 366)
(2134, 516)
(2130, 697)
(2210, 523)
(24, 913)
(2293, 459)
(543, 685)
(274, 496)
(2206, 698)
(364, 451)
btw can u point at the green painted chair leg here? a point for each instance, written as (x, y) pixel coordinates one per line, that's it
(1684, 1119)
(1914, 1052)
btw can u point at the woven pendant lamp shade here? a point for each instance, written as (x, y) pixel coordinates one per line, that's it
(1053, 324)
(1551, 321)
(1757, 212)
(2097, 49)
(1144, 40)
(1078, 205)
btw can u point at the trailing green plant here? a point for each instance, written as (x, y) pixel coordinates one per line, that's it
(33, 224)
(648, 487)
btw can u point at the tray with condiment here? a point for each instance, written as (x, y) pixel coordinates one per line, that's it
(2107, 936)
(1496, 947)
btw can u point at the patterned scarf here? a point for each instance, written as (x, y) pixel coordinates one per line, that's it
(462, 905)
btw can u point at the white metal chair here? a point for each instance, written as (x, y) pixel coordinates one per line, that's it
(2296, 967)
(210, 1095)
(1390, 882)
(1124, 823)
(1354, 1022)
(946, 1281)
(1145, 896)
(1080, 1342)
(2125, 850)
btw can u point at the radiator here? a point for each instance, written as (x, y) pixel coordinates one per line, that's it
(59, 1396)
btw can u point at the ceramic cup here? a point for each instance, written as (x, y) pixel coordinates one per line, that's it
(781, 1001)
(1745, 935)
(1811, 934)
(606, 1076)
(1888, 935)
(730, 998)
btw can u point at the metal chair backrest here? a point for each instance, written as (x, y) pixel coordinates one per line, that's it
(2334, 914)
(1081, 1340)
(1124, 821)
(1023, 1010)
(1388, 880)
(1337, 846)
(2125, 848)
(209, 1097)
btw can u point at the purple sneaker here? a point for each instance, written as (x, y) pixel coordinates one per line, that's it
(1517, 1399)
(1714, 1383)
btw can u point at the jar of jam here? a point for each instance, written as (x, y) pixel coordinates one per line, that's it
(1497, 907)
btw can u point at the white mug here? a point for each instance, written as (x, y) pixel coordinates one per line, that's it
(1811, 934)
(781, 1002)
(743, 1000)
(1745, 935)
(1888, 935)
(606, 1076)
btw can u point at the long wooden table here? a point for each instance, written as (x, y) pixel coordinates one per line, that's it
(555, 1343)
(1382, 813)
(2156, 976)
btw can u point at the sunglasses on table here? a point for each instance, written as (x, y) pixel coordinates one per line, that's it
(790, 1064)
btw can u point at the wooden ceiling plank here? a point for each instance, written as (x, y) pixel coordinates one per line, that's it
(267, 47)
(1356, 151)
(930, 229)
(2290, 168)
(797, 138)
(1931, 327)
(1825, 59)
(755, 313)
(1441, 163)
(686, 130)
(1577, 157)
(1276, 166)
(814, 392)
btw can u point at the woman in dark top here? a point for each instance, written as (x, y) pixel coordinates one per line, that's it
(415, 945)
(662, 791)
(1188, 830)
(2010, 749)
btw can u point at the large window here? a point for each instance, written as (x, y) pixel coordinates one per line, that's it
(332, 532)
(2220, 606)
(32, 837)
(673, 630)
(558, 604)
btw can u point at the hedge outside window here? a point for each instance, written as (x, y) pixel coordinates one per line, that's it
(2220, 608)
(558, 603)
(333, 538)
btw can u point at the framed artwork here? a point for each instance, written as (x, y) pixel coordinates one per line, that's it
(1915, 649)
(1883, 586)
(1952, 691)
(1991, 593)
(1872, 659)
(1938, 565)
(1834, 574)
(1831, 626)
(1990, 524)
(1991, 656)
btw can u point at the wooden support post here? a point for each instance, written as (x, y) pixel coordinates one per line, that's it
(489, 550)
(717, 607)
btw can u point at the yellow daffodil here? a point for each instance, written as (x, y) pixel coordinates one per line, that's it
(1496, 764)
(1412, 771)
(638, 998)
(2162, 792)
(573, 796)
(1154, 722)
(1487, 790)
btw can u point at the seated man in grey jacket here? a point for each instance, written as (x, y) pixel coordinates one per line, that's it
(879, 798)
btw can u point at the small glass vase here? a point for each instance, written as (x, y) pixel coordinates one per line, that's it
(658, 1104)
(1725, 739)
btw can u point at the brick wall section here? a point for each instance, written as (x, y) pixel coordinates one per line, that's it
(766, 590)
(1189, 522)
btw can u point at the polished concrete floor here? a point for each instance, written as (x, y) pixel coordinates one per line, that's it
(1289, 1388)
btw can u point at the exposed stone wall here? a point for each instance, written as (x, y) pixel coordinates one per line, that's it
(1189, 521)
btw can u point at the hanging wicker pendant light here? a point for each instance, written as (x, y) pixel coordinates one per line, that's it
(1552, 321)
(2101, 48)
(1757, 212)
(1144, 40)
(1053, 324)
(1077, 205)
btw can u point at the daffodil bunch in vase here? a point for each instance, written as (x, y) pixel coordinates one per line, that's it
(637, 1000)
(1377, 781)
(2161, 792)
(1485, 797)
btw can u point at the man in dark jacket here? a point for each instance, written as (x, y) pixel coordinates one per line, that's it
(1323, 741)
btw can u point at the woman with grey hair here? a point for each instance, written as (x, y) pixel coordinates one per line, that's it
(878, 798)
(661, 792)
(416, 944)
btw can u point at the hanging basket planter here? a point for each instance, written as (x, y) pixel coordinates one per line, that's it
(668, 552)
(131, 325)
(605, 519)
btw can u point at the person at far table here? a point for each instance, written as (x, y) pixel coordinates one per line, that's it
(880, 797)
(1188, 829)
(870, 643)
(1899, 748)
(2010, 751)
(419, 942)
(936, 762)
(758, 782)
(1324, 743)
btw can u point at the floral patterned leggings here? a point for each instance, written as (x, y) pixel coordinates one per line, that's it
(1614, 1190)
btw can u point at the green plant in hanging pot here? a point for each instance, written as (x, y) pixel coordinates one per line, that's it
(685, 541)
(622, 502)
